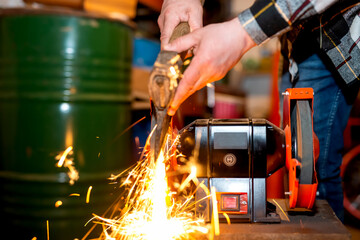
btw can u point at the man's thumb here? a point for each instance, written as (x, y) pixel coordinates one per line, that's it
(181, 44)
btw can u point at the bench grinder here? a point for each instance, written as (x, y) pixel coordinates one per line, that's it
(237, 155)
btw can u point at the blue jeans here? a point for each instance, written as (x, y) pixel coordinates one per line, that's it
(331, 113)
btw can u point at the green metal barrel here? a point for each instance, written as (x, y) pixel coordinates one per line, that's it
(64, 81)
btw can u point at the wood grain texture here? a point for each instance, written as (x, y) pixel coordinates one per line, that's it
(180, 30)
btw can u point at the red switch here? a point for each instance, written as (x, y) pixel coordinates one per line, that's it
(233, 203)
(230, 202)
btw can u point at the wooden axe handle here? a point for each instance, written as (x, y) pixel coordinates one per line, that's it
(180, 30)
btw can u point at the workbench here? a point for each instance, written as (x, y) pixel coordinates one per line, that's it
(317, 225)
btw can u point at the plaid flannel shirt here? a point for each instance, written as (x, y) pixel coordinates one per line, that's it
(336, 28)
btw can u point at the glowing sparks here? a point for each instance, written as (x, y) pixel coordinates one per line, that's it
(215, 214)
(65, 160)
(159, 191)
(151, 211)
(227, 218)
(191, 176)
(282, 210)
(88, 194)
(172, 70)
(74, 195)
(63, 156)
(210, 85)
(47, 230)
(58, 203)
(186, 62)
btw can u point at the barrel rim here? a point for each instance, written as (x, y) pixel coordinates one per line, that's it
(83, 97)
(60, 177)
(62, 12)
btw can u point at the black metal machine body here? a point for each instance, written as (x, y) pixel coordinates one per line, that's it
(235, 156)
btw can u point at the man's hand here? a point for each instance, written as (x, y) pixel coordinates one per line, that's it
(174, 11)
(217, 48)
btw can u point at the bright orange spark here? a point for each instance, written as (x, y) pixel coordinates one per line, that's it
(215, 214)
(227, 218)
(63, 156)
(151, 211)
(66, 161)
(58, 203)
(191, 176)
(88, 194)
(47, 230)
(282, 210)
(74, 195)
(172, 70)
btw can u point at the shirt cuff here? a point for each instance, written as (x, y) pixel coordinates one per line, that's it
(252, 27)
(263, 20)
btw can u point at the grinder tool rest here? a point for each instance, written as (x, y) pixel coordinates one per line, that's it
(237, 155)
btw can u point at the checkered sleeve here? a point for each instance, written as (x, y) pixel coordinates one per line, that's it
(268, 18)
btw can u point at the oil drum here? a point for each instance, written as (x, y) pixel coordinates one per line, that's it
(64, 85)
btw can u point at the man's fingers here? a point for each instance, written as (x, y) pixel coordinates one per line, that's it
(187, 85)
(195, 20)
(169, 24)
(183, 43)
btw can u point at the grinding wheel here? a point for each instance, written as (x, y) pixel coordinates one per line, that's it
(302, 140)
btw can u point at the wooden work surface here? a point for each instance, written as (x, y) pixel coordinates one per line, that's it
(322, 224)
